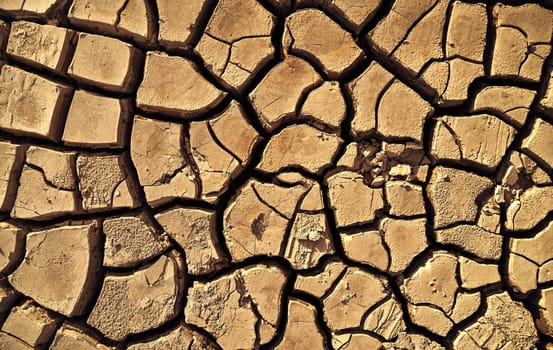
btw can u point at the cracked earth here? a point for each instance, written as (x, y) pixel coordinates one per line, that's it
(276, 174)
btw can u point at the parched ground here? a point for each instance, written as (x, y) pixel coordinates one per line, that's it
(276, 174)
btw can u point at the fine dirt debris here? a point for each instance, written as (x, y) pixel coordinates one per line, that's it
(276, 174)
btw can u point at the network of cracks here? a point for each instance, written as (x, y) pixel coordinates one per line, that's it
(276, 174)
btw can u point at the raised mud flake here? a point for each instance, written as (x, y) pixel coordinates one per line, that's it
(505, 324)
(69, 338)
(529, 260)
(510, 101)
(30, 104)
(195, 231)
(454, 194)
(352, 201)
(540, 141)
(309, 240)
(230, 306)
(312, 33)
(60, 268)
(435, 301)
(354, 294)
(105, 119)
(137, 302)
(11, 158)
(256, 220)
(158, 157)
(173, 85)
(104, 183)
(529, 208)
(130, 240)
(105, 62)
(119, 17)
(523, 40)
(39, 45)
(288, 149)
(277, 95)
(178, 21)
(31, 323)
(237, 41)
(481, 138)
(302, 330)
(181, 337)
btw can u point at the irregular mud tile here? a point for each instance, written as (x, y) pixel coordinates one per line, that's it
(404, 198)
(173, 85)
(386, 320)
(511, 101)
(391, 30)
(242, 32)
(466, 305)
(545, 320)
(70, 338)
(30, 7)
(39, 45)
(355, 12)
(143, 300)
(178, 21)
(472, 239)
(326, 104)
(540, 141)
(532, 206)
(352, 201)
(216, 167)
(545, 273)
(235, 133)
(476, 275)
(130, 240)
(10, 342)
(453, 194)
(405, 119)
(181, 337)
(252, 226)
(430, 318)
(105, 62)
(104, 183)
(57, 167)
(412, 341)
(159, 160)
(349, 158)
(288, 149)
(31, 324)
(367, 248)
(37, 199)
(355, 341)
(523, 37)
(405, 239)
(311, 32)
(466, 33)
(546, 103)
(526, 256)
(12, 247)
(319, 283)
(276, 96)
(505, 324)
(61, 268)
(313, 200)
(482, 138)
(302, 330)
(195, 231)
(366, 91)
(105, 119)
(113, 17)
(356, 292)
(309, 240)
(230, 306)
(11, 158)
(30, 104)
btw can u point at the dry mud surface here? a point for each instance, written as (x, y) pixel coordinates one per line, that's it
(276, 174)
